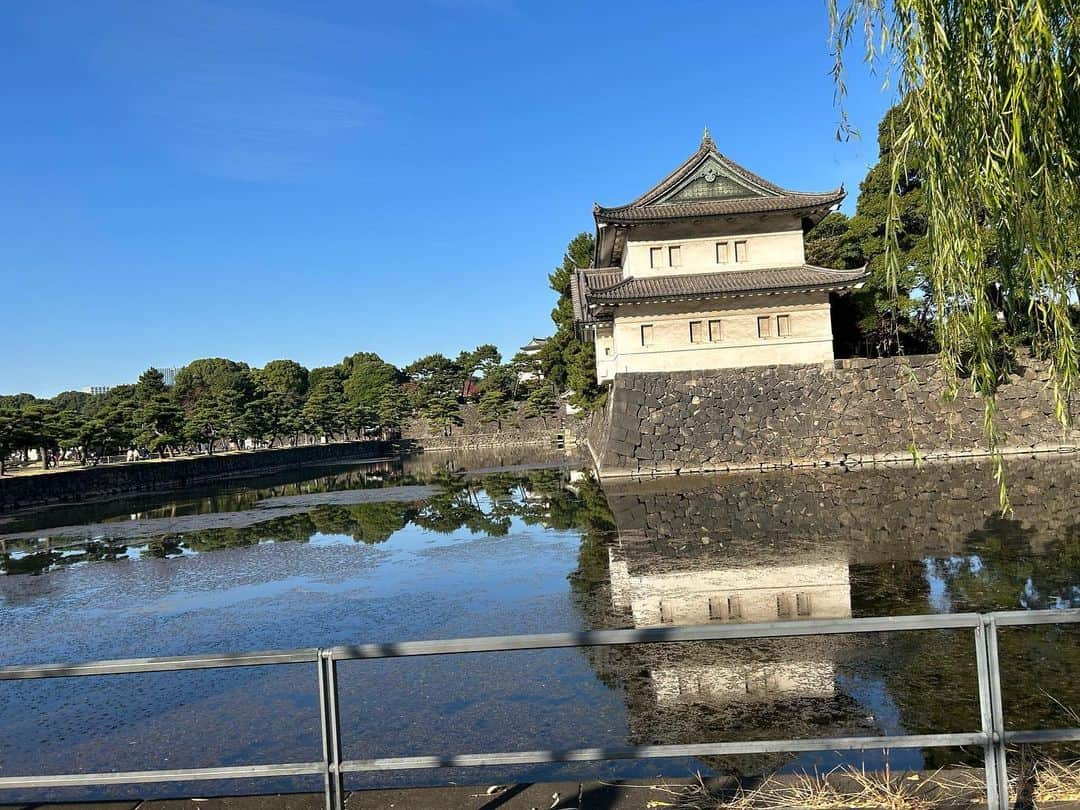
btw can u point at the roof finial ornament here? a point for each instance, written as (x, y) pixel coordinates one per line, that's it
(706, 139)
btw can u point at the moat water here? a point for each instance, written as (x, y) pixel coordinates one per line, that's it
(504, 544)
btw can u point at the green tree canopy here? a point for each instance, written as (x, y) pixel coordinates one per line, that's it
(991, 95)
(566, 360)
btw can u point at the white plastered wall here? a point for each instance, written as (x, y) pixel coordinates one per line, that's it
(809, 341)
(700, 255)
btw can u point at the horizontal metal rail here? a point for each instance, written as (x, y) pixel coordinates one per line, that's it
(174, 775)
(124, 666)
(662, 751)
(992, 737)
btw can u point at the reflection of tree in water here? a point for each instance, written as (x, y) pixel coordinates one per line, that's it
(997, 571)
(919, 682)
(537, 497)
(485, 505)
(1000, 572)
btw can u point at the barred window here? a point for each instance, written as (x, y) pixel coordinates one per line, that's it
(734, 607)
(783, 605)
(715, 331)
(802, 604)
(697, 331)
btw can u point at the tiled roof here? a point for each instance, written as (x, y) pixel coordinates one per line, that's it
(585, 281)
(707, 208)
(608, 288)
(752, 194)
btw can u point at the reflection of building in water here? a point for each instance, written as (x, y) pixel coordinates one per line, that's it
(652, 585)
(737, 593)
(711, 683)
(873, 541)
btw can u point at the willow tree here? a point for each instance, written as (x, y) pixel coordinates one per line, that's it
(991, 90)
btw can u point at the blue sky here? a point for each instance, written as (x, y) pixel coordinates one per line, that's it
(307, 180)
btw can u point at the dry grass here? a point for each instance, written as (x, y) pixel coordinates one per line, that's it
(842, 787)
(845, 787)
(1056, 781)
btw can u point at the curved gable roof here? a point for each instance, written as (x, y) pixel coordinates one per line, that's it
(708, 183)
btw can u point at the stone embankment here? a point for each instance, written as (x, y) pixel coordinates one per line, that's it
(849, 412)
(517, 430)
(91, 483)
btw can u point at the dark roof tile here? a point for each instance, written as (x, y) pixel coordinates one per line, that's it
(605, 287)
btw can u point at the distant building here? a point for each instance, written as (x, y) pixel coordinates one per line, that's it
(531, 350)
(168, 372)
(707, 269)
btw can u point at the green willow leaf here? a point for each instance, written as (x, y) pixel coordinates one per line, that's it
(992, 92)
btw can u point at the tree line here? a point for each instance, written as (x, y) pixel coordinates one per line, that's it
(899, 310)
(216, 404)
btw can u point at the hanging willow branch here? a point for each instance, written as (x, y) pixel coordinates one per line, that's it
(992, 95)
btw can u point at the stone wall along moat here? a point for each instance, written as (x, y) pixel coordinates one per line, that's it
(850, 412)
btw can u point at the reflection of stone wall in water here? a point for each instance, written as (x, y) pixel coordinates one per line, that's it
(873, 540)
(864, 515)
(861, 410)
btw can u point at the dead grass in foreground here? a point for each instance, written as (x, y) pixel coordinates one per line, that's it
(856, 789)
(1057, 781)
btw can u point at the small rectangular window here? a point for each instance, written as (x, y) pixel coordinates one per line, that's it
(783, 325)
(716, 608)
(607, 351)
(675, 255)
(697, 331)
(734, 607)
(646, 334)
(715, 333)
(667, 614)
(764, 326)
(656, 257)
(741, 252)
(802, 604)
(783, 605)
(721, 252)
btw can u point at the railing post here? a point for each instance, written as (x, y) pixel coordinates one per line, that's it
(335, 729)
(990, 710)
(331, 732)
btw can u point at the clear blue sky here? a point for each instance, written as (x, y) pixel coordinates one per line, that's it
(306, 180)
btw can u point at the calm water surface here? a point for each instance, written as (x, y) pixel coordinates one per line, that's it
(435, 548)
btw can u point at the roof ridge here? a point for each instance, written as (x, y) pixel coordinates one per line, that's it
(707, 149)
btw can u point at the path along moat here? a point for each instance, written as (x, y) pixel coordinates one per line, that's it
(425, 549)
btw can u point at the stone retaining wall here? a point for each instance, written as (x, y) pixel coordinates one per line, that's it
(853, 411)
(506, 438)
(90, 483)
(517, 430)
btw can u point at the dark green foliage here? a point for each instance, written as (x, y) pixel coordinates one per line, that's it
(892, 312)
(541, 403)
(443, 413)
(495, 407)
(567, 361)
(219, 404)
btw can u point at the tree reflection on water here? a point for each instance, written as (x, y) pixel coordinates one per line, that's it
(825, 544)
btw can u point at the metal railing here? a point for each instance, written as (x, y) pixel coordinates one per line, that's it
(991, 736)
